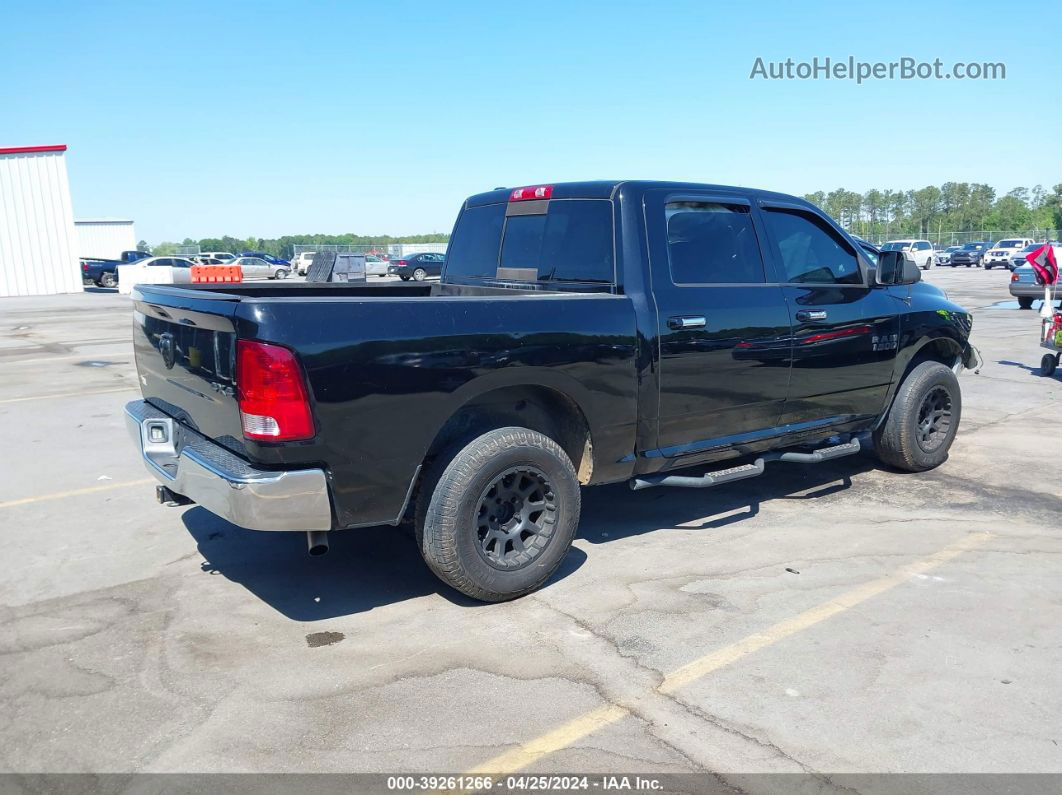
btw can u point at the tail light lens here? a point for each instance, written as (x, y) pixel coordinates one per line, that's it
(84, 267)
(272, 394)
(1014, 277)
(401, 263)
(533, 192)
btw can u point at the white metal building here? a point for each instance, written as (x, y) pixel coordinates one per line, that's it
(38, 244)
(104, 238)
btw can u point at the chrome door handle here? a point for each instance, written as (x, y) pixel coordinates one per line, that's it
(811, 314)
(681, 322)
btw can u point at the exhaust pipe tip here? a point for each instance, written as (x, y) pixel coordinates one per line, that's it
(317, 542)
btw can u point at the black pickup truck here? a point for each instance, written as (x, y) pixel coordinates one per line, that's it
(582, 333)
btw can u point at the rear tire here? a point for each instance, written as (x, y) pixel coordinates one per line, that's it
(1025, 302)
(1048, 364)
(405, 278)
(922, 421)
(109, 280)
(280, 273)
(496, 520)
(420, 275)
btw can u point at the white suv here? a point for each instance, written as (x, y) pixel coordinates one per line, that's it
(1002, 252)
(920, 252)
(302, 262)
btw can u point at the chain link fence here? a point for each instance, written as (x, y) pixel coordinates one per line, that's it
(389, 250)
(945, 239)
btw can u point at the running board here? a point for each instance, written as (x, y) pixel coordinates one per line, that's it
(755, 469)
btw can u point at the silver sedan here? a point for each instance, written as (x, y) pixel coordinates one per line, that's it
(257, 268)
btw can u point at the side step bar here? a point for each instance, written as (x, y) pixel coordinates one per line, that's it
(744, 471)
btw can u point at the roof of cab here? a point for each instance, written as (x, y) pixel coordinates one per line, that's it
(609, 188)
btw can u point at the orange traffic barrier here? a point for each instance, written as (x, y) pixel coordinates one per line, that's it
(217, 274)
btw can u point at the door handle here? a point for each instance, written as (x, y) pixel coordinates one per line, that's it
(811, 314)
(680, 322)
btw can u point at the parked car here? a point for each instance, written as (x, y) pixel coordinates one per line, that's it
(970, 254)
(258, 268)
(375, 266)
(199, 259)
(1001, 252)
(417, 267)
(223, 256)
(302, 262)
(944, 257)
(542, 362)
(1023, 284)
(267, 257)
(182, 273)
(104, 272)
(1019, 258)
(920, 252)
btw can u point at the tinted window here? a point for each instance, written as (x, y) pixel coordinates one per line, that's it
(1010, 243)
(474, 246)
(571, 242)
(921, 246)
(712, 244)
(811, 252)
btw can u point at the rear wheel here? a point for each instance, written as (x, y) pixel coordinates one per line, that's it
(500, 516)
(1025, 302)
(420, 275)
(109, 280)
(405, 278)
(280, 273)
(923, 419)
(1048, 364)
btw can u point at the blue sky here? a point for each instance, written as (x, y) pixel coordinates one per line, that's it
(201, 119)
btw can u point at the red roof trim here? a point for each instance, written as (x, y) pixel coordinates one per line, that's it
(28, 150)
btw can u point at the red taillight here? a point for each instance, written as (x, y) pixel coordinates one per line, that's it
(401, 263)
(272, 396)
(533, 192)
(84, 267)
(1014, 277)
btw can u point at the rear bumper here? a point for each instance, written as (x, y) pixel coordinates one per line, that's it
(191, 465)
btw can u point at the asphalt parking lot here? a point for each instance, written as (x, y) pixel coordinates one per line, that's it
(834, 619)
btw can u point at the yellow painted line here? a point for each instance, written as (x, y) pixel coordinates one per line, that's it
(59, 495)
(561, 737)
(587, 723)
(67, 394)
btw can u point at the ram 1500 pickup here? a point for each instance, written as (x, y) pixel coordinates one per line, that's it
(582, 333)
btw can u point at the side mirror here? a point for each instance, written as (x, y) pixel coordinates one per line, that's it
(894, 268)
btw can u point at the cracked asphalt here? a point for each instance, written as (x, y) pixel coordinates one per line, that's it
(831, 619)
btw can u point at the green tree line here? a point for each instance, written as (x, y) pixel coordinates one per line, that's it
(931, 211)
(284, 247)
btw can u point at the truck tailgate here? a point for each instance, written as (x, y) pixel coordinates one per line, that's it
(185, 348)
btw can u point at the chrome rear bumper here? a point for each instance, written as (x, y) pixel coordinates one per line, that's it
(194, 466)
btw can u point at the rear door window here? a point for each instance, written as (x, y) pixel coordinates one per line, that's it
(710, 243)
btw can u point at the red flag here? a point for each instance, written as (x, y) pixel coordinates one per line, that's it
(1044, 263)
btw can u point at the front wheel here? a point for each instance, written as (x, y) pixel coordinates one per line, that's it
(500, 517)
(923, 419)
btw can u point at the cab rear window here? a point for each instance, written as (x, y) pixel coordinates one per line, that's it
(571, 242)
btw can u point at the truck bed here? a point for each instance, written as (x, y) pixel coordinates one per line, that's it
(385, 367)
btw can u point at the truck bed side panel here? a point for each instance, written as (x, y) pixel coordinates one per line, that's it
(387, 373)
